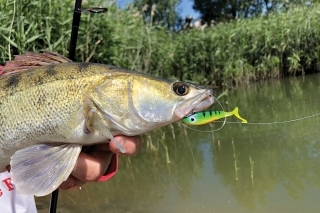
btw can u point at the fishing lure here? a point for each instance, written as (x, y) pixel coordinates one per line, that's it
(205, 117)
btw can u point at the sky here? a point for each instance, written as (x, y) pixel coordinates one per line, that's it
(184, 9)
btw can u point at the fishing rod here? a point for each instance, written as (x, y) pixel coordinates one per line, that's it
(72, 50)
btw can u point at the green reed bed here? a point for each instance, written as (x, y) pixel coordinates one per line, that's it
(33, 25)
(253, 49)
(228, 54)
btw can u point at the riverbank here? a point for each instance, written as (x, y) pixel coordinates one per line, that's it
(226, 55)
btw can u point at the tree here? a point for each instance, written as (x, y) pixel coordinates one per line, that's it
(221, 10)
(160, 11)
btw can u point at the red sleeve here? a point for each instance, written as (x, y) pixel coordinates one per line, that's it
(112, 169)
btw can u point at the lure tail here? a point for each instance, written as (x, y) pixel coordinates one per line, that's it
(235, 112)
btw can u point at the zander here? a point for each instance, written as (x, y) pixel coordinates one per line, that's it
(50, 107)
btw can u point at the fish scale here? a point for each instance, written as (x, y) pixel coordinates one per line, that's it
(61, 96)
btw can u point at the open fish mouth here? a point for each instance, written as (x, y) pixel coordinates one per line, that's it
(199, 105)
(204, 104)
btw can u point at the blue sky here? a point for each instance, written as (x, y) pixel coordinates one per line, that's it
(185, 8)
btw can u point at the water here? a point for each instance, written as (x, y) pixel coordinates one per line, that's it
(238, 169)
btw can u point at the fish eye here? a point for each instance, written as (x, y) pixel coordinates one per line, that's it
(180, 88)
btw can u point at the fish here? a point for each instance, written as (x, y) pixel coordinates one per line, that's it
(50, 107)
(205, 117)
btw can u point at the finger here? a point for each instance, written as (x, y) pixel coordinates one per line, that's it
(103, 147)
(71, 183)
(130, 143)
(90, 167)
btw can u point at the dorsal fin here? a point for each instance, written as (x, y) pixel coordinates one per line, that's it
(31, 60)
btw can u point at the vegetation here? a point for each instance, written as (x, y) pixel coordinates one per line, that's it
(236, 52)
(160, 12)
(221, 10)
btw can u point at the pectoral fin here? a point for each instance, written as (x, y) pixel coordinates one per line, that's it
(97, 124)
(40, 169)
(94, 122)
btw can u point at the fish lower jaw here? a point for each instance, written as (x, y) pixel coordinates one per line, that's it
(196, 107)
(204, 104)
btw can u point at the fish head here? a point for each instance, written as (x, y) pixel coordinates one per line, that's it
(161, 101)
(137, 103)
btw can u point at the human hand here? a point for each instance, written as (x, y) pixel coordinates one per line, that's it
(94, 162)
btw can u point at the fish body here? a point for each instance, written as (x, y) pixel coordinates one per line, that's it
(48, 113)
(205, 117)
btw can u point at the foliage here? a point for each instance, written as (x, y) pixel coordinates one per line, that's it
(24, 26)
(161, 12)
(231, 53)
(221, 10)
(252, 49)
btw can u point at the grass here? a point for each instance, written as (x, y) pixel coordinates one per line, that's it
(251, 170)
(236, 168)
(230, 54)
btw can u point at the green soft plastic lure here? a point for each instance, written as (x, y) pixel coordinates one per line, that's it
(205, 117)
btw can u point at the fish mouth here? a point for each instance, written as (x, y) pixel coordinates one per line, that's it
(201, 103)
(204, 104)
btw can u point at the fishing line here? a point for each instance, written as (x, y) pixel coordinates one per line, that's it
(225, 118)
(223, 122)
(252, 123)
(278, 122)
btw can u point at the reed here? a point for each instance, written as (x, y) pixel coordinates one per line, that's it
(251, 170)
(236, 168)
(229, 54)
